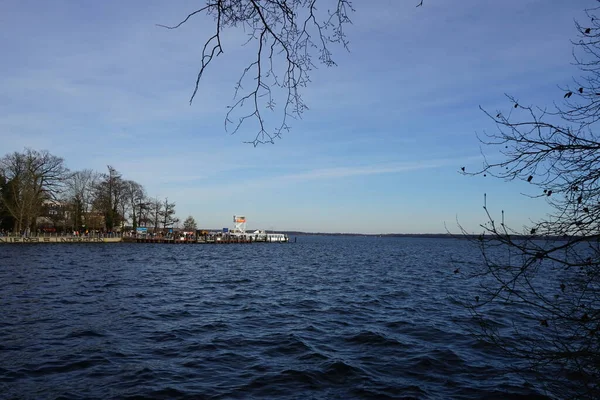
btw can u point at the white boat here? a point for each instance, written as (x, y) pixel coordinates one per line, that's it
(239, 230)
(261, 236)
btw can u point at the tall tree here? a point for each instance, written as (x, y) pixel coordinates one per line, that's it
(124, 206)
(155, 213)
(108, 197)
(144, 209)
(549, 274)
(168, 214)
(7, 221)
(34, 177)
(80, 186)
(135, 197)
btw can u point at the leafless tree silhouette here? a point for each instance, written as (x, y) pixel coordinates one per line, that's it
(33, 178)
(288, 34)
(549, 274)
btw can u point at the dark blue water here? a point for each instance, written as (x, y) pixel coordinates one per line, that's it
(327, 317)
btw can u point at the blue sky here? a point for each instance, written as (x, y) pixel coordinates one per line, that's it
(379, 150)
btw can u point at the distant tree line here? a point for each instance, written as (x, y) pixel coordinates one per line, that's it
(38, 191)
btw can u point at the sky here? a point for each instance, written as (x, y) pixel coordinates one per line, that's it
(379, 150)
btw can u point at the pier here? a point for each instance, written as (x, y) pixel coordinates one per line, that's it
(58, 239)
(207, 239)
(237, 235)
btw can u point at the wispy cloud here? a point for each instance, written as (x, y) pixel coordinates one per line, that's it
(241, 186)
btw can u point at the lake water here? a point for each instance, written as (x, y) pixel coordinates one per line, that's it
(326, 317)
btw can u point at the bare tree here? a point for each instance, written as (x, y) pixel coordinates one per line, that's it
(108, 197)
(155, 212)
(80, 186)
(125, 207)
(14, 170)
(135, 197)
(167, 214)
(549, 273)
(287, 35)
(7, 220)
(34, 176)
(144, 216)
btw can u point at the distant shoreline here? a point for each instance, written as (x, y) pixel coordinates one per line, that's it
(419, 235)
(432, 235)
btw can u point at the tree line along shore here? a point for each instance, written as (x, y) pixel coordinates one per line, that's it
(39, 194)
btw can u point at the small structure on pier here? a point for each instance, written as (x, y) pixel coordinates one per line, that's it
(239, 224)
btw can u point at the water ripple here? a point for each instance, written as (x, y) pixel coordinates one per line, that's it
(323, 318)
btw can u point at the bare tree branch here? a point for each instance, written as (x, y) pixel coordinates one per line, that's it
(286, 33)
(549, 273)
